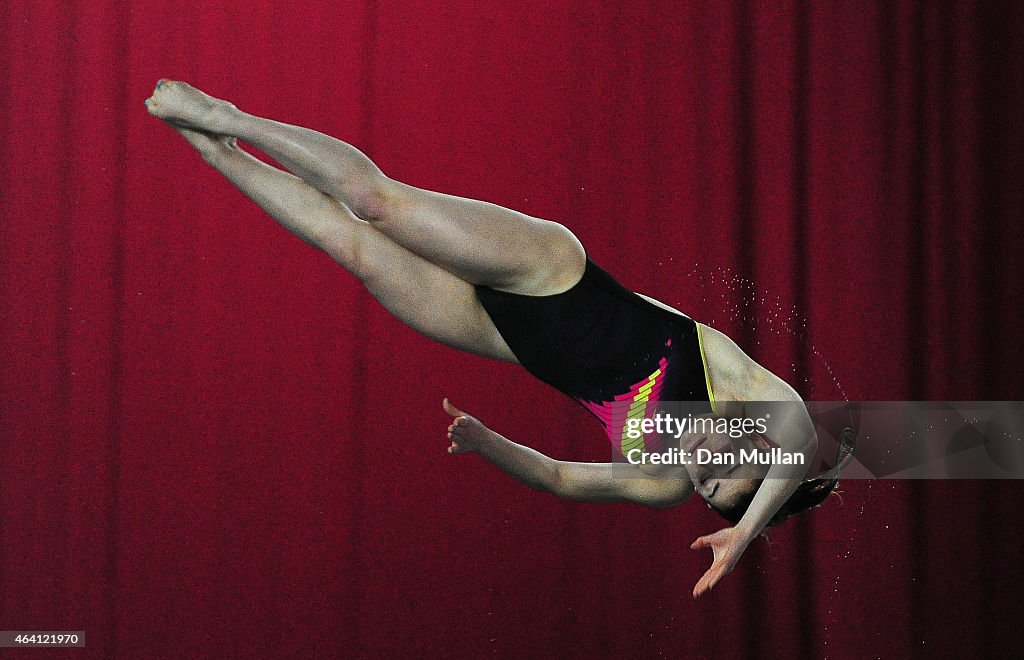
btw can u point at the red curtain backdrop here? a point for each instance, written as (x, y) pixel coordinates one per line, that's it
(214, 443)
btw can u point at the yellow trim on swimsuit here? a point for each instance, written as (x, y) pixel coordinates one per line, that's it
(707, 375)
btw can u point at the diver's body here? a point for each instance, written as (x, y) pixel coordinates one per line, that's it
(431, 258)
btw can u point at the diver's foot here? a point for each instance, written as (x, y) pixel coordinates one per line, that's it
(180, 103)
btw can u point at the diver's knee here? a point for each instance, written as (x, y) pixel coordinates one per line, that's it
(373, 198)
(350, 250)
(563, 259)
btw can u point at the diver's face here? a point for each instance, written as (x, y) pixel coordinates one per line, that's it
(717, 471)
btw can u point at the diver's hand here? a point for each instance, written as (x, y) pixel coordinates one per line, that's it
(466, 432)
(727, 544)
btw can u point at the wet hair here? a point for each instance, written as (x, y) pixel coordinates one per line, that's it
(809, 494)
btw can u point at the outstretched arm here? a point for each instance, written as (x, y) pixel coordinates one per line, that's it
(589, 482)
(756, 393)
(790, 427)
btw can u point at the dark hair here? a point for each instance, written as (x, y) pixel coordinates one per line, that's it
(809, 494)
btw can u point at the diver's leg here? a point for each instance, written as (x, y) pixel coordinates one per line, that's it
(422, 295)
(480, 242)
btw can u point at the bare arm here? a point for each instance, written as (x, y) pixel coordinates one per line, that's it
(588, 482)
(751, 391)
(790, 427)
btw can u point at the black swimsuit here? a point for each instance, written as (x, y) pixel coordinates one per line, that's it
(616, 353)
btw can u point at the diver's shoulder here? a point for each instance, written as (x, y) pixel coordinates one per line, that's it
(727, 362)
(735, 375)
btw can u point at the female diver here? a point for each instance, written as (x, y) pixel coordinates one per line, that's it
(498, 283)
